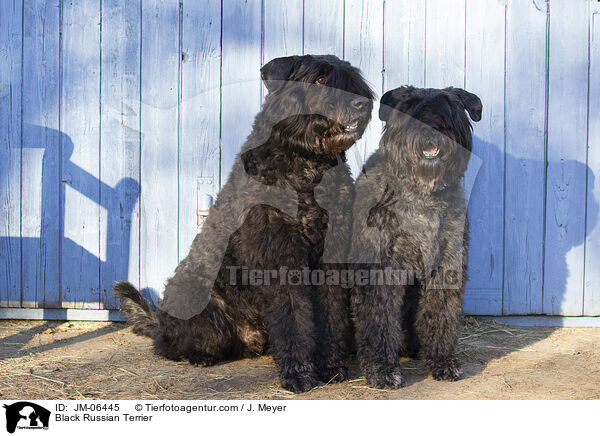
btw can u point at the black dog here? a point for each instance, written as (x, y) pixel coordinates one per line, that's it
(286, 205)
(419, 229)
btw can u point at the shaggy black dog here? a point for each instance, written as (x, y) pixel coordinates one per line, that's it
(410, 218)
(284, 210)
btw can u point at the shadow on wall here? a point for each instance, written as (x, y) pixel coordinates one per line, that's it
(540, 276)
(50, 181)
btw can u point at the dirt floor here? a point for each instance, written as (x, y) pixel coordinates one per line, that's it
(96, 360)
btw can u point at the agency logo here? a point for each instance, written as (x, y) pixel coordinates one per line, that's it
(26, 415)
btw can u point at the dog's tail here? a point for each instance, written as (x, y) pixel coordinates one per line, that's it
(141, 314)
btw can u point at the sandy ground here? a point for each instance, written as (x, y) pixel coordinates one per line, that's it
(94, 360)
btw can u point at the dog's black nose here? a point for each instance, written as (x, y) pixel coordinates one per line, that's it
(360, 103)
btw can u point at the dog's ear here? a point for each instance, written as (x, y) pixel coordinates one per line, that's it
(277, 71)
(470, 102)
(392, 100)
(258, 165)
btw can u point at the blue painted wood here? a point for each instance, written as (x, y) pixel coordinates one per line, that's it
(591, 289)
(525, 157)
(567, 150)
(160, 134)
(282, 28)
(484, 76)
(324, 27)
(404, 43)
(62, 314)
(10, 153)
(41, 150)
(363, 48)
(175, 140)
(119, 146)
(548, 321)
(445, 39)
(199, 149)
(241, 86)
(80, 148)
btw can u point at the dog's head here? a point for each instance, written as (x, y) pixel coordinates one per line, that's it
(321, 101)
(427, 131)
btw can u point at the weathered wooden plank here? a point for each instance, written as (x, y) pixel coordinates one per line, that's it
(548, 321)
(525, 157)
(160, 129)
(80, 248)
(241, 85)
(62, 314)
(10, 152)
(120, 145)
(445, 50)
(591, 302)
(282, 28)
(324, 27)
(484, 76)
(404, 43)
(566, 170)
(200, 96)
(363, 48)
(42, 186)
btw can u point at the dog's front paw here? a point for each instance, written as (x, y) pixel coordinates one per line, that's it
(448, 369)
(386, 378)
(334, 374)
(298, 383)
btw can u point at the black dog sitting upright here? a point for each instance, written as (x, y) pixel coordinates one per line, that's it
(287, 201)
(410, 216)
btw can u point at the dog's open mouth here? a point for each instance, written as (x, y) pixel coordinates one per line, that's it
(430, 150)
(351, 128)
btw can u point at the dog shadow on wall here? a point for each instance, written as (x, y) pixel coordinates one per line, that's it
(554, 263)
(58, 253)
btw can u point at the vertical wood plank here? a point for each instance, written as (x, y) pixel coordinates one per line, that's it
(363, 30)
(282, 32)
(79, 107)
(566, 171)
(485, 77)
(445, 55)
(404, 43)
(591, 303)
(200, 97)
(10, 152)
(160, 99)
(41, 252)
(120, 146)
(324, 27)
(283, 28)
(525, 157)
(241, 85)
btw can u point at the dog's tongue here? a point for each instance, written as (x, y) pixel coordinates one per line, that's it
(430, 150)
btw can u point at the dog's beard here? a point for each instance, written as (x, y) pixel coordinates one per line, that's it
(317, 134)
(432, 157)
(339, 138)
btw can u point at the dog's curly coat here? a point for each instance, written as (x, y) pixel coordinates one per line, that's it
(410, 215)
(287, 201)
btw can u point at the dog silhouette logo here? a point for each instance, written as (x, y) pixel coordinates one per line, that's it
(26, 415)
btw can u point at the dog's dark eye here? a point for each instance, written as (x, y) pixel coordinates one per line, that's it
(321, 80)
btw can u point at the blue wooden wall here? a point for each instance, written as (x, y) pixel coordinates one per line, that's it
(118, 117)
